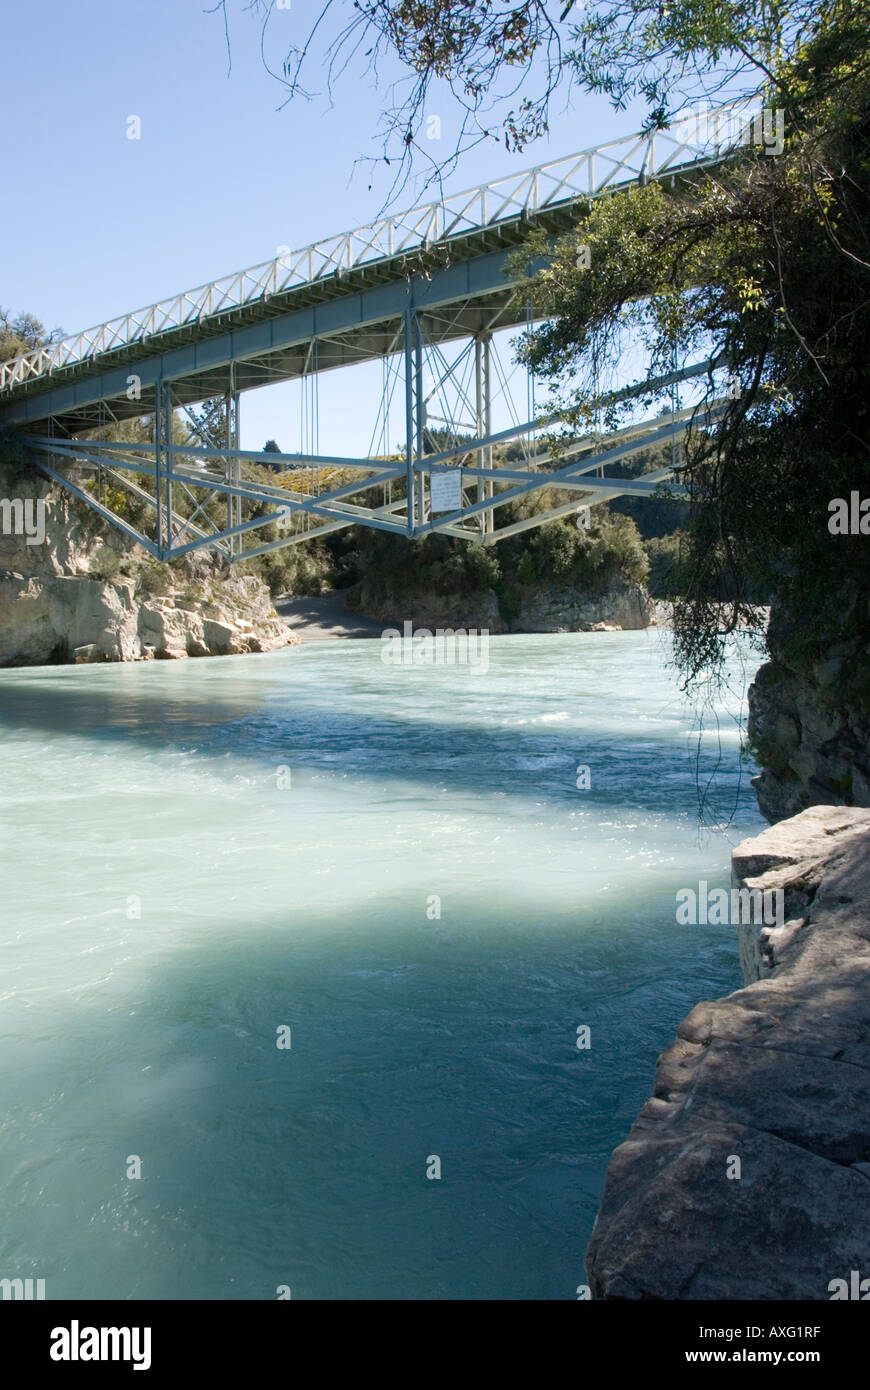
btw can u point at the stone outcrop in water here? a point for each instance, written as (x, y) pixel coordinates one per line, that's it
(54, 608)
(63, 618)
(777, 1076)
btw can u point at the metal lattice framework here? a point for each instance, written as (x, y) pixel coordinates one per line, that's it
(398, 290)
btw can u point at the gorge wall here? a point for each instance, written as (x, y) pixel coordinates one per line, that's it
(809, 719)
(621, 604)
(55, 607)
(775, 1075)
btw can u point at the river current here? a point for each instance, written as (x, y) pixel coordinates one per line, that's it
(279, 932)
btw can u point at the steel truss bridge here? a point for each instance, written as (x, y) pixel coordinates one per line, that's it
(406, 290)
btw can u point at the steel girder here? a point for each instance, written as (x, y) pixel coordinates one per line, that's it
(194, 471)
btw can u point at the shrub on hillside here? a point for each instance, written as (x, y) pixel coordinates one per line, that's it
(105, 564)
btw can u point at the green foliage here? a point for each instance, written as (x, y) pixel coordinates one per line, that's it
(277, 570)
(554, 554)
(438, 440)
(154, 577)
(526, 571)
(296, 569)
(193, 592)
(126, 505)
(768, 261)
(209, 421)
(558, 554)
(666, 579)
(105, 564)
(392, 564)
(22, 333)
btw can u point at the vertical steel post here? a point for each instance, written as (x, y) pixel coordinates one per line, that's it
(487, 425)
(158, 469)
(235, 445)
(228, 434)
(170, 460)
(229, 470)
(483, 412)
(420, 420)
(409, 422)
(478, 420)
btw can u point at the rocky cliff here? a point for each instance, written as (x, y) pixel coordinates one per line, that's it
(809, 718)
(73, 597)
(747, 1173)
(621, 605)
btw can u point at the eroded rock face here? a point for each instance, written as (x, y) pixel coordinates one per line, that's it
(68, 538)
(425, 608)
(776, 1075)
(811, 726)
(793, 857)
(621, 607)
(44, 619)
(54, 609)
(60, 618)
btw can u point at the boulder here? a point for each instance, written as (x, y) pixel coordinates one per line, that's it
(45, 619)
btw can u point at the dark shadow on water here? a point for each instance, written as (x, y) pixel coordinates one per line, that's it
(640, 769)
(307, 1166)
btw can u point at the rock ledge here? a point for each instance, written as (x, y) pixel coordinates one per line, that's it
(776, 1075)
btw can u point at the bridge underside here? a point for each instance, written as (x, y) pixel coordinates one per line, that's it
(459, 491)
(206, 495)
(459, 301)
(454, 474)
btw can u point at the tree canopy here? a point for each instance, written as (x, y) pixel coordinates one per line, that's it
(765, 260)
(22, 333)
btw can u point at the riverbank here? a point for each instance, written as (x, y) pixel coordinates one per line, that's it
(74, 598)
(327, 617)
(324, 618)
(747, 1173)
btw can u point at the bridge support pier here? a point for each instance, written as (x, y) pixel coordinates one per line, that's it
(408, 351)
(483, 420)
(419, 421)
(233, 471)
(161, 464)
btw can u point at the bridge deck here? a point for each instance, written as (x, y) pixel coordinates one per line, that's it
(405, 286)
(443, 262)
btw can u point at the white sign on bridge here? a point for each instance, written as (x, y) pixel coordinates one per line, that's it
(445, 490)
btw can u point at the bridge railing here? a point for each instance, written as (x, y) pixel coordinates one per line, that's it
(583, 175)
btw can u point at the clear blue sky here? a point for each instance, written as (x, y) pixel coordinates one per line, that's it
(96, 224)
